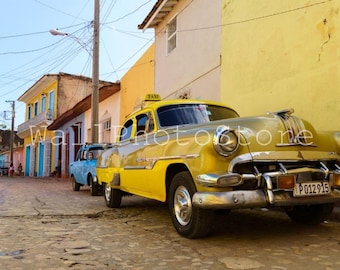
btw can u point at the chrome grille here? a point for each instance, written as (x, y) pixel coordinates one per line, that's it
(295, 128)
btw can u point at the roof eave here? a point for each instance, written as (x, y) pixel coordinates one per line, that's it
(157, 14)
(84, 105)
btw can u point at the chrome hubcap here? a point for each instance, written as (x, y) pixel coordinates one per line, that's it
(91, 184)
(182, 205)
(107, 192)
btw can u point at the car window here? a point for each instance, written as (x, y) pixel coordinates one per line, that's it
(84, 155)
(94, 153)
(183, 114)
(141, 120)
(145, 124)
(150, 126)
(125, 132)
(78, 157)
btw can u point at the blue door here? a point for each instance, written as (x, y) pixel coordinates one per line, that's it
(27, 160)
(41, 159)
(51, 104)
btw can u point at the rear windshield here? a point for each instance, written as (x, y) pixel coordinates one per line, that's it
(184, 114)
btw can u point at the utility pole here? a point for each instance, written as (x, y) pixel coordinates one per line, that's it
(95, 74)
(95, 69)
(11, 140)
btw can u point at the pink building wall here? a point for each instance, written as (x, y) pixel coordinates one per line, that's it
(18, 157)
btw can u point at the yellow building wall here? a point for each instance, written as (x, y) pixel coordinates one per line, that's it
(41, 133)
(137, 82)
(282, 54)
(37, 98)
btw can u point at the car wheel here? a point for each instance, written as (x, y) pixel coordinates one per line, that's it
(94, 187)
(310, 214)
(189, 221)
(113, 197)
(75, 185)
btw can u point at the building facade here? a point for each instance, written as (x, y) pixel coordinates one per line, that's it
(5, 151)
(187, 48)
(138, 81)
(51, 96)
(54, 132)
(282, 54)
(256, 56)
(73, 128)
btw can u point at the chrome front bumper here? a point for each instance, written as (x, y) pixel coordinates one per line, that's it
(256, 198)
(265, 195)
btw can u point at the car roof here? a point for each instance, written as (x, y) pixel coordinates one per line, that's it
(94, 145)
(157, 104)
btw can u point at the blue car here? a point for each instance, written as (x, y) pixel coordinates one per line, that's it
(83, 170)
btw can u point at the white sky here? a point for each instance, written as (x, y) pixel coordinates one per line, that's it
(28, 50)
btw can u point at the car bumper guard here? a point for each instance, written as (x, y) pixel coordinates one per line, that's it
(256, 198)
(265, 195)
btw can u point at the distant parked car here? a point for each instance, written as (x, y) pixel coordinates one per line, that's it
(83, 170)
(200, 156)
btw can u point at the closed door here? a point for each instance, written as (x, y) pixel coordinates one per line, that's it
(41, 159)
(27, 160)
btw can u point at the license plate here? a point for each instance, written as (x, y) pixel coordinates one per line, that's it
(311, 189)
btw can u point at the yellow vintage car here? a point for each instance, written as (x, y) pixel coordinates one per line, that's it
(200, 156)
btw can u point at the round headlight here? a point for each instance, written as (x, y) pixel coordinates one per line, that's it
(225, 141)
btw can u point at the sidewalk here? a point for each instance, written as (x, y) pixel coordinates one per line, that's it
(48, 182)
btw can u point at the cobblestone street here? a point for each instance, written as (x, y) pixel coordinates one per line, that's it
(46, 225)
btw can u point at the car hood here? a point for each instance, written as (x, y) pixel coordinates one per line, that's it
(273, 136)
(276, 133)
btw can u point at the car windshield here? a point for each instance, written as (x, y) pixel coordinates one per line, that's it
(94, 153)
(183, 114)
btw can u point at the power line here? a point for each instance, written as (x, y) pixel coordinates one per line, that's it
(108, 11)
(48, 58)
(253, 19)
(60, 11)
(23, 35)
(40, 32)
(130, 13)
(29, 51)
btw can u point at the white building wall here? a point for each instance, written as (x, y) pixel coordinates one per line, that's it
(108, 107)
(193, 67)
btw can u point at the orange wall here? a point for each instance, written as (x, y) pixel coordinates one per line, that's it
(137, 82)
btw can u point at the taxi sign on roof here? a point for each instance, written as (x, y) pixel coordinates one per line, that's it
(152, 97)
